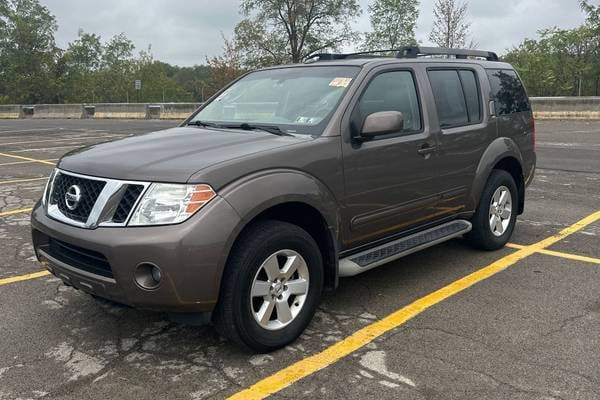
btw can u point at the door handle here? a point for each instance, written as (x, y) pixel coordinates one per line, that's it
(426, 149)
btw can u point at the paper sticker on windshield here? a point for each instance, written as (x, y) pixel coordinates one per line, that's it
(340, 82)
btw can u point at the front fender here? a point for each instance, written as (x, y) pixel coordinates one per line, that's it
(257, 192)
(497, 150)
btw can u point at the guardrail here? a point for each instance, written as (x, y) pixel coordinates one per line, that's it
(543, 107)
(100, 111)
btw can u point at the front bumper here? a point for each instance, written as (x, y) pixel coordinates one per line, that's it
(190, 255)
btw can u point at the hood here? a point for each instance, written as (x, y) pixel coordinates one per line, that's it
(171, 155)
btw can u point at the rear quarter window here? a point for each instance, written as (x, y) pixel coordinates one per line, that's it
(508, 92)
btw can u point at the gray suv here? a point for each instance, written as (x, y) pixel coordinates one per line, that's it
(290, 178)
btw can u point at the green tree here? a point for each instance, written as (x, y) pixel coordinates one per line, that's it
(393, 24)
(83, 59)
(27, 52)
(562, 62)
(282, 31)
(115, 78)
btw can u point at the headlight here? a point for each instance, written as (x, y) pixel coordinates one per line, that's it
(166, 203)
(48, 187)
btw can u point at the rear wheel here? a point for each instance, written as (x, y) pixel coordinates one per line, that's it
(495, 218)
(271, 286)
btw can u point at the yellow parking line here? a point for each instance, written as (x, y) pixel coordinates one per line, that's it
(13, 212)
(26, 159)
(568, 256)
(20, 278)
(305, 367)
(22, 180)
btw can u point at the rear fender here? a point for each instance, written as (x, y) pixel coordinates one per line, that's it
(499, 149)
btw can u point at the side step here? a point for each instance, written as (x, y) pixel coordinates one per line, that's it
(368, 259)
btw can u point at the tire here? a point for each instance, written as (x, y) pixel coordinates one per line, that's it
(483, 236)
(249, 289)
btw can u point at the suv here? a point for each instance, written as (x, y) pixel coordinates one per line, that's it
(288, 179)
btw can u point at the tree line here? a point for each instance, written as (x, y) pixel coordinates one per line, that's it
(33, 69)
(562, 62)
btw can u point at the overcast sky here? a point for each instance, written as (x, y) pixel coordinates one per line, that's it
(186, 32)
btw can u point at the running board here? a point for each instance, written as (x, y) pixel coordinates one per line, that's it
(368, 259)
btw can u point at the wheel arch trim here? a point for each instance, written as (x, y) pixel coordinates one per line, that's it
(500, 149)
(259, 192)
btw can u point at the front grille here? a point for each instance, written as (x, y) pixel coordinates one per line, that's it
(80, 258)
(127, 202)
(90, 190)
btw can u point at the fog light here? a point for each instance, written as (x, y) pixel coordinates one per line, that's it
(148, 276)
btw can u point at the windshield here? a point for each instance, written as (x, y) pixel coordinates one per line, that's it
(297, 100)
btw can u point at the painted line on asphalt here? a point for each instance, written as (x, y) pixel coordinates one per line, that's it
(569, 256)
(73, 139)
(26, 158)
(70, 146)
(32, 130)
(20, 278)
(308, 366)
(22, 180)
(15, 212)
(26, 162)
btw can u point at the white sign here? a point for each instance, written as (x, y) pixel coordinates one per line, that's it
(138, 84)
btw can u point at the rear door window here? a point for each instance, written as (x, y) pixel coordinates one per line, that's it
(449, 98)
(457, 96)
(507, 91)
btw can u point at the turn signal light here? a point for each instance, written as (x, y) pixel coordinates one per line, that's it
(201, 195)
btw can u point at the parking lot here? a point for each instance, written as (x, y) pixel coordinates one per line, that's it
(447, 323)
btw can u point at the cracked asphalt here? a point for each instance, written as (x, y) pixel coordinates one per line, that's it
(529, 332)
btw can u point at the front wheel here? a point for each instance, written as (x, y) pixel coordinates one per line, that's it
(496, 215)
(271, 286)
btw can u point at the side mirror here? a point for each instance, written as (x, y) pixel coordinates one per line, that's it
(381, 123)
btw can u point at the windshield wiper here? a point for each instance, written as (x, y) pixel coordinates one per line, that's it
(204, 123)
(275, 130)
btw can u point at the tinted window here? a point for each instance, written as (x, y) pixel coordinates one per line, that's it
(392, 91)
(449, 98)
(507, 91)
(471, 90)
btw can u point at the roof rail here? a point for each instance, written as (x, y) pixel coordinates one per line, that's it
(407, 52)
(415, 51)
(336, 56)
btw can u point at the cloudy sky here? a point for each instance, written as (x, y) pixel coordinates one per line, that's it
(185, 32)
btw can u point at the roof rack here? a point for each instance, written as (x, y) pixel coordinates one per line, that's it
(415, 51)
(407, 52)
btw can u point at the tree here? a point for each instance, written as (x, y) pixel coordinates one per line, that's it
(393, 23)
(281, 31)
(592, 13)
(450, 25)
(116, 78)
(562, 62)
(27, 52)
(82, 60)
(224, 68)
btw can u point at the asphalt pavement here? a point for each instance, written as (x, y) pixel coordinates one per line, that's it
(449, 322)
